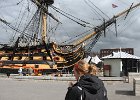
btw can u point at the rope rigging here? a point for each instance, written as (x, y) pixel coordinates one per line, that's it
(96, 8)
(18, 24)
(23, 33)
(74, 37)
(96, 13)
(70, 14)
(67, 16)
(11, 5)
(128, 23)
(52, 28)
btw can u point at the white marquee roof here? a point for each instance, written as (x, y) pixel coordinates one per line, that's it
(95, 59)
(120, 55)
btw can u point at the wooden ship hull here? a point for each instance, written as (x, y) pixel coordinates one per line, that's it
(38, 59)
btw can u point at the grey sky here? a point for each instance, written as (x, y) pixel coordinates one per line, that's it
(128, 30)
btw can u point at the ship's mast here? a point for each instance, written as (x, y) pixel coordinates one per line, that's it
(44, 24)
(104, 25)
(43, 5)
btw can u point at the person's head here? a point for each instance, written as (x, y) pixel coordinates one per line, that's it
(82, 68)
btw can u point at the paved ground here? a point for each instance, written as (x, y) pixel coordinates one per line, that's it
(29, 89)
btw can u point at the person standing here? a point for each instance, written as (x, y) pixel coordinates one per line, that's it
(20, 71)
(88, 86)
(30, 71)
(8, 73)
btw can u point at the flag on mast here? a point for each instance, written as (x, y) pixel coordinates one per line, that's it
(114, 6)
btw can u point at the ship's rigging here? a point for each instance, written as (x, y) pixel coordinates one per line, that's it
(31, 51)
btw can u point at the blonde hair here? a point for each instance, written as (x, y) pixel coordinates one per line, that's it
(82, 67)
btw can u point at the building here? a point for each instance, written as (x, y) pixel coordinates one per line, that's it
(120, 63)
(105, 52)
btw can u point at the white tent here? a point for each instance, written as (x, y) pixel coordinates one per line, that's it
(87, 59)
(95, 59)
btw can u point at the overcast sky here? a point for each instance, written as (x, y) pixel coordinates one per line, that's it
(128, 30)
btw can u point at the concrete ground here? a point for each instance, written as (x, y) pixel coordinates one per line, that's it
(30, 89)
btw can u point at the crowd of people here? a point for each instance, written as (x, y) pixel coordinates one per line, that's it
(25, 71)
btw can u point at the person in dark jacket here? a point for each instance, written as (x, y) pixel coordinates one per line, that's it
(88, 86)
(8, 74)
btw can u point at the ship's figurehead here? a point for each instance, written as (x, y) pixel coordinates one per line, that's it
(47, 2)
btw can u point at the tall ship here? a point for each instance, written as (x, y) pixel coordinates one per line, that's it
(33, 47)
